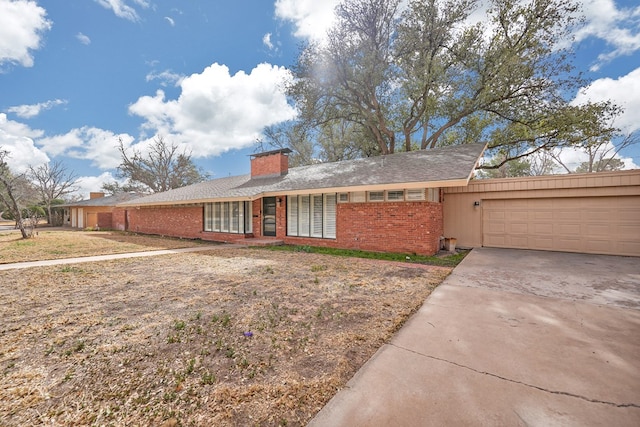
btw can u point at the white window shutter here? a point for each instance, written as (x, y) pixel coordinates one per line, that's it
(316, 217)
(292, 215)
(303, 217)
(329, 216)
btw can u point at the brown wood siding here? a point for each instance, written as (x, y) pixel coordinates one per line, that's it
(591, 213)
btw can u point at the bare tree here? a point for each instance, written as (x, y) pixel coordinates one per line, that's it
(16, 193)
(602, 154)
(164, 168)
(53, 181)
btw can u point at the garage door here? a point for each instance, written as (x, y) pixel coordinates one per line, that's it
(601, 225)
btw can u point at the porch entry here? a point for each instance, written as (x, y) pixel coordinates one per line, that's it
(269, 216)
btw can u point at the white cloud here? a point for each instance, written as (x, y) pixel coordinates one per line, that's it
(217, 111)
(22, 23)
(122, 9)
(28, 111)
(87, 143)
(17, 139)
(88, 184)
(266, 40)
(618, 27)
(311, 18)
(166, 77)
(84, 39)
(170, 21)
(18, 129)
(574, 157)
(624, 91)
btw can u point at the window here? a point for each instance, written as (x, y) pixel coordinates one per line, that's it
(329, 216)
(376, 196)
(434, 195)
(395, 195)
(292, 216)
(358, 197)
(208, 216)
(343, 197)
(303, 216)
(316, 215)
(312, 216)
(227, 217)
(415, 194)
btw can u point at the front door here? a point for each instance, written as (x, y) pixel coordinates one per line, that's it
(269, 216)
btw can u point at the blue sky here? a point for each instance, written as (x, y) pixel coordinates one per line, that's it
(76, 75)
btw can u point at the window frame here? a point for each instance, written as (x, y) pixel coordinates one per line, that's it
(375, 196)
(227, 217)
(312, 215)
(387, 194)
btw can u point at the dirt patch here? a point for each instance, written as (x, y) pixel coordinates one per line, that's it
(224, 337)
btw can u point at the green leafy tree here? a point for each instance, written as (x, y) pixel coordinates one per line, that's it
(428, 77)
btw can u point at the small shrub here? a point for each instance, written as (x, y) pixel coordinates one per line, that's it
(179, 325)
(226, 319)
(207, 378)
(190, 366)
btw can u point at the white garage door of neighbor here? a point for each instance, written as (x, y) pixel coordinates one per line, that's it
(600, 225)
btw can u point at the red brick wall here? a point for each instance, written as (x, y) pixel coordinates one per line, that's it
(118, 219)
(184, 221)
(405, 227)
(105, 220)
(274, 164)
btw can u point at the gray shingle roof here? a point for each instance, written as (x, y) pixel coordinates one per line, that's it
(439, 167)
(106, 201)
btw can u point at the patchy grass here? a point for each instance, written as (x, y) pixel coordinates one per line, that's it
(225, 337)
(444, 259)
(52, 244)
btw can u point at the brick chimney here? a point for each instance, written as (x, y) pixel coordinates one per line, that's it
(95, 195)
(270, 164)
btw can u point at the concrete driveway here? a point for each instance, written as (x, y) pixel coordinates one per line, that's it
(514, 338)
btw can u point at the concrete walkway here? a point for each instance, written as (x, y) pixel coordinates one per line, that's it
(511, 338)
(76, 260)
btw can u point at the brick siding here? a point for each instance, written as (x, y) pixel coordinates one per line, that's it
(118, 219)
(178, 221)
(276, 164)
(105, 220)
(405, 227)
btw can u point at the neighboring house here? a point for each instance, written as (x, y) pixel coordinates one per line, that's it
(95, 212)
(387, 203)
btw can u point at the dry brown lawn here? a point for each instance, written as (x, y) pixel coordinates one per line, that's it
(229, 336)
(57, 244)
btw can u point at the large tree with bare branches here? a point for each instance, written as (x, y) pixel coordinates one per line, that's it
(53, 181)
(16, 195)
(163, 168)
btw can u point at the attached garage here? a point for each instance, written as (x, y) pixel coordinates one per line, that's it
(591, 213)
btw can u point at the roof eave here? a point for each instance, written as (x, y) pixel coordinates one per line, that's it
(345, 189)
